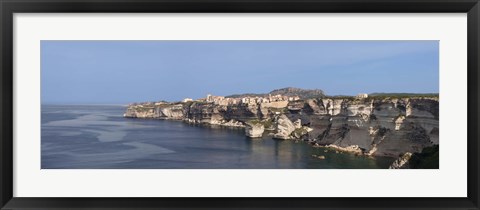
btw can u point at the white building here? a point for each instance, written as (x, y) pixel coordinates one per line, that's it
(187, 100)
(362, 95)
(209, 98)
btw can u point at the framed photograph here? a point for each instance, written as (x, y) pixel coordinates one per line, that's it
(239, 104)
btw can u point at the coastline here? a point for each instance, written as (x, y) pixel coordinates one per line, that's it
(362, 126)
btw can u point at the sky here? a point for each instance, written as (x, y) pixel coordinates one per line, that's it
(122, 72)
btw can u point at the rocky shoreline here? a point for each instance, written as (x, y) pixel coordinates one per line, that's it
(369, 126)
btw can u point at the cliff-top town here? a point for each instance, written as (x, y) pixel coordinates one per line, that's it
(277, 100)
(221, 100)
(385, 125)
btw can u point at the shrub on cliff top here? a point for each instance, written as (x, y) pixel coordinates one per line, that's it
(265, 123)
(299, 132)
(341, 97)
(402, 95)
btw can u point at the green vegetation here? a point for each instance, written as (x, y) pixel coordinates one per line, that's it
(162, 105)
(266, 123)
(427, 159)
(299, 132)
(188, 103)
(342, 97)
(255, 122)
(380, 96)
(402, 95)
(200, 103)
(302, 93)
(289, 91)
(143, 109)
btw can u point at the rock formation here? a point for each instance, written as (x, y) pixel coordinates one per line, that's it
(285, 127)
(254, 130)
(383, 126)
(402, 162)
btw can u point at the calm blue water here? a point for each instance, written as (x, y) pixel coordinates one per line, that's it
(98, 137)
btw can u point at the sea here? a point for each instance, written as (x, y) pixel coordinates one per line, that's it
(99, 137)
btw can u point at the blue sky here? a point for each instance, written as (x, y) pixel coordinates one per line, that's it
(120, 72)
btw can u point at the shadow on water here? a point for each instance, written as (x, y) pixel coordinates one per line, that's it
(91, 137)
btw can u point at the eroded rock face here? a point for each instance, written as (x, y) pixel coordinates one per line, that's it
(377, 127)
(422, 108)
(285, 127)
(174, 112)
(387, 127)
(401, 162)
(141, 112)
(254, 130)
(233, 123)
(298, 123)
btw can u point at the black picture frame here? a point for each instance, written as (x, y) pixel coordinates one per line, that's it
(9, 7)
